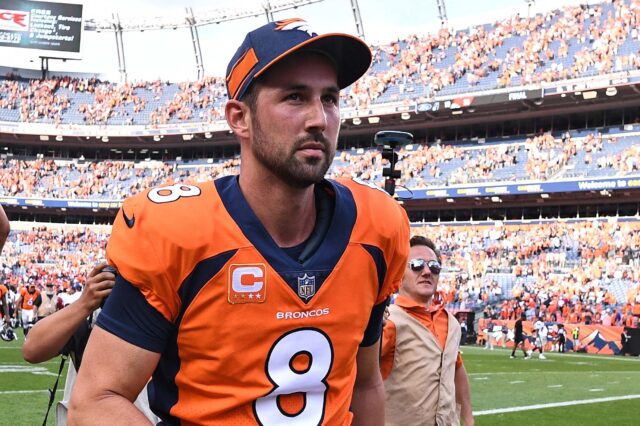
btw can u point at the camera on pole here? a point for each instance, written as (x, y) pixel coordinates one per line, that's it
(388, 141)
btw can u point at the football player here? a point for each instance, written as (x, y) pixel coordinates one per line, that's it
(255, 299)
(28, 304)
(5, 319)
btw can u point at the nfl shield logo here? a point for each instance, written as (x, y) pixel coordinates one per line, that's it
(306, 286)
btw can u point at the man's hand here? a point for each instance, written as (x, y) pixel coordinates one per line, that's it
(49, 336)
(97, 288)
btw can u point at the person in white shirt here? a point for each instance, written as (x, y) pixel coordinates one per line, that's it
(541, 331)
(72, 294)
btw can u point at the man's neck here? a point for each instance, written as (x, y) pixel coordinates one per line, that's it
(424, 302)
(287, 213)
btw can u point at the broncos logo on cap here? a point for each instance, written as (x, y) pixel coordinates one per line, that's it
(295, 24)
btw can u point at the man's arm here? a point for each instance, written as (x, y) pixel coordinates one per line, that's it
(4, 301)
(48, 336)
(112, 375)
(367, 404)
(388, 348)
(463, 396)
(19, 307)
(4, 227)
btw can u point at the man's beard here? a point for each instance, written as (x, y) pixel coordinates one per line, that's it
(295, 172)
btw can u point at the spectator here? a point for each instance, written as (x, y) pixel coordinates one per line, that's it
(425, 378)
(624, 340)
(575, 334)
(48, 302)
(562, 338)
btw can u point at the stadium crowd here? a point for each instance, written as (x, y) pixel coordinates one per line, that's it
(581, 271)
(536, 158)
(74, 179)
(560, 44)
(563, 270)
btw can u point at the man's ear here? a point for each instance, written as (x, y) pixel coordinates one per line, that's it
(238, 118)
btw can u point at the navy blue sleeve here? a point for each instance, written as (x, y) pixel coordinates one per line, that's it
(374, 328)
(128, 315)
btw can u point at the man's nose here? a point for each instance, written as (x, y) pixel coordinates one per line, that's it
(316, 116)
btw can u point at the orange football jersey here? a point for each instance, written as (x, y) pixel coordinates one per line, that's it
(28, 299)
(3, 291)
(247, 347)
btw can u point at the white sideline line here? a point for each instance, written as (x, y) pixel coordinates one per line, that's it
(524, 373)
(27, 391)
(571, 355)
(553, 404)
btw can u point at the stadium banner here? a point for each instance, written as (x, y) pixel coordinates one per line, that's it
(590, 84)
(485, 190)
(41, 25)
(492, 189)
(60, 203)
(497, 98)
(99, 132)
(465, 101)
(593, 338)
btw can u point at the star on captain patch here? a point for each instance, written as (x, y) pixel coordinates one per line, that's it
(306, 286)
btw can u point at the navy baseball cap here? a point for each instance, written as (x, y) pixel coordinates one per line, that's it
(274, 41)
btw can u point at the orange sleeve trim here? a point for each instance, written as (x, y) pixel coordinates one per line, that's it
(459, 361)
(388, 349)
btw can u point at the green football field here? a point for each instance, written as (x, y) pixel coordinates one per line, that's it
(564, 389)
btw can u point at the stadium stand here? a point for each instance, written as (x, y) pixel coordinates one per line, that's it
(569, 43)
(540, 158)
(568, 270)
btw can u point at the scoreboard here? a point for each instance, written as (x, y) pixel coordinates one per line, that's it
(41, 25)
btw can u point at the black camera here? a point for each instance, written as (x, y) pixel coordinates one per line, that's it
(114, 271)
(388, 141)
(111, 269)
(392, 138)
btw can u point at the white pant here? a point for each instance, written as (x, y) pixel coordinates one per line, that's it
(27, 318)
(541, 342)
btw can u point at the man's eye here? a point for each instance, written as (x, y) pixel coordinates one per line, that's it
(294, 97)
(331, 99)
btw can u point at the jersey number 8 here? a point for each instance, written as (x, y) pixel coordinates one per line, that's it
(171, 193)
(315, 346)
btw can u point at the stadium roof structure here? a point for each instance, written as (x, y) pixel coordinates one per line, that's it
(214, 16)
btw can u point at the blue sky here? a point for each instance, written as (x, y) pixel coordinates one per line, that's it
(169, 54)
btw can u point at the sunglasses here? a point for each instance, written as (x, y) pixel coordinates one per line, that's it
(418, 265)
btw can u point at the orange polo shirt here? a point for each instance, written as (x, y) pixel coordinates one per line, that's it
(434, 319)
